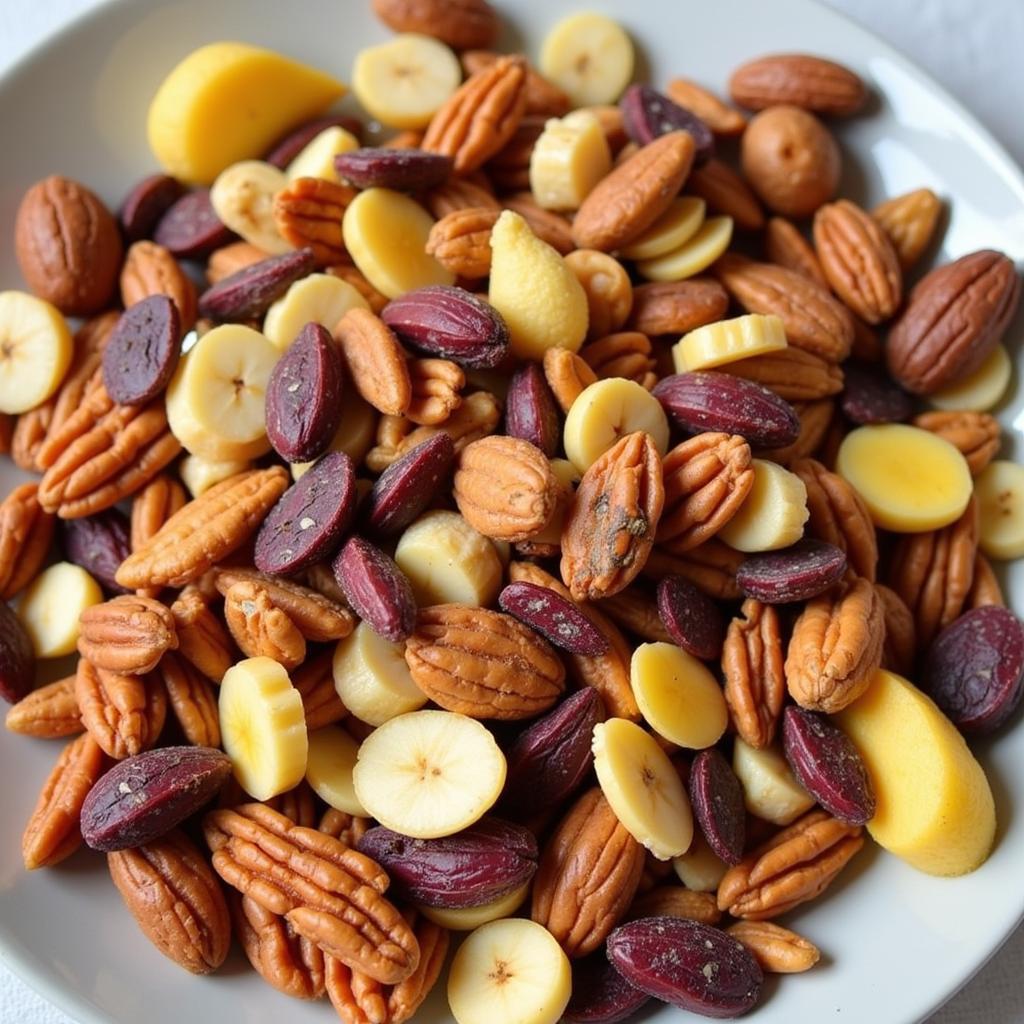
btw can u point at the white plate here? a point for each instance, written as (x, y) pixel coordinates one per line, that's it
(896, 943)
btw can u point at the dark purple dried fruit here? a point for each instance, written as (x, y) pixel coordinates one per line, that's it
(286, 149)
(647, 114)
(530, 410)
(143, 797)
(796, 573)
(378, 591)
(828, 765)
(708, 400)
(191, 229)
(600, 994)
(478, 865)
(449, 322)
(717, 798)
(871, 396)
(99, 544)
(143, 351)
(17, 659)
(688, 964)
(408, 486)
(549, 761)
(975, 669)
(554, 617)
(692, 619)
(309, 519)
(248, 293)
(303, 397)
(147, 202)
(407, 170)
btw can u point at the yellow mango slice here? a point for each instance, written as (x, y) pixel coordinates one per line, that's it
(1000, 493)
(728, 341)
(227, 102)
(981, 390)
(693, 256)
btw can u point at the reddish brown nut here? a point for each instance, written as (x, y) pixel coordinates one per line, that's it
(692, 619)
(378, 591)
(143, 350)
(303, 397)
(554, 617)
(291, 145)
(190, 229)
(600, 994)
(99, 544)
(801, 79)
(718, 807)
(647, 113)
(147, 202)
(17, 662)
(871, 396)
(406, 170)
(530, 410)
(462, 24)
(143, 797)
(797, 573)
(248, 293)
(409, 485)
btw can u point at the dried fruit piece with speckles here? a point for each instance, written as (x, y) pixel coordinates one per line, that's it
(692, 619)
(408, 485)
(869, 396)
(142, 352)
(647, 114)
(190, 229)
(378, 591)
(554, 617)
(407, 170)
(145, 204)
(530, 410)
(249, 292)
(716, 796)
(295, 141)
(796, 573)
(98, 543)
(600, 994)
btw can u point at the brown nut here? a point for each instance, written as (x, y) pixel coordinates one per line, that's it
(752, 665)
(802, 80)
(462, 24)
(726, 193)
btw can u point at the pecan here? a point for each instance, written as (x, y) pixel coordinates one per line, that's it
(776, 949)
(376, 300)
(859, 260)
(149, 269)
(726, 193)
(910, 221)
(607, 288)
(320, 577)
(547, 225)
(47, 713)
(625, 354)
(297, 804)
(675, 307)
(543, 98)
(791, 373)
(900, 648)
(482, 663)
(436, 386)
(315, 682)
(349, 828)
(812, 83)
(375, 361)
(329, 893)
(308, 214)
(192, 700)
(587, 877)
(567, 375)
(933, 571)
(458, 194)
(25, 534)
(752, 667)
(126, 634)
(718, 116)
(985, 588)
(28, 435)
(206, 530)
(176, 899)
(815, 419)
(153, 506)
(480, 117)
(791, 868)
(202, 640)
(836, 647)
(975, 434)
(462, 24)
(838, 515)
(124, 714)
(675, 901)
(634, 610)
(260, 628)
(461, 241)
(611, 523)
(711, 567)
(52, 832)
(707, 478)
(230, 259)
(787, 247)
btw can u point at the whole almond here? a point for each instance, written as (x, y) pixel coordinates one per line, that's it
(462, 24)
(801, 80)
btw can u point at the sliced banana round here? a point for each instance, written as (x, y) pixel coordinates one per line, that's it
(465, 919)
(316, 158)
(675, 227)
(404, 82)
(35, 351)
(199, 474)
(606, 411)
(329, 765)
(728, 341)
(643, 787)
(999, 489)
(590, 57)
(243, 199)
(509, 972)
(693, 256)
(50, 607)
(979, 391)
(770, 789)
(317, 298)
(569, 158)
(429, 773)
(355, 433)
(772, 515)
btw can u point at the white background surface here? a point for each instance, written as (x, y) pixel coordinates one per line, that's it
(976, 48)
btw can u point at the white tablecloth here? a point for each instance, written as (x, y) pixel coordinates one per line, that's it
(975, 48)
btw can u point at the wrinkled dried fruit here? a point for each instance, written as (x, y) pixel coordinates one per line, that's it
(692, 619)
(975, 669)
(530, 410)
(147, 202)
(554, 617)
(143, 797)
(190, 229)
(407, 170)
(646, 114)
(717, 799)
(408, 485)
(291, 145)
(142, 351)
(478, 865)
(870, 396)
(303, 397)
(796, 573)
(600, 994)
(99, 544)
(249, 292)
(378, 591)
(309, 518)
(17, 662)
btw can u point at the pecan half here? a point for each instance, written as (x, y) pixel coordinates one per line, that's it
(587, 877)
(711, 567)
(726, 193)
(567, 375)
(900, 648)
(314, 680)
(786, 246)
(675, 901)
(543, 98)
(985, 589)
(260, 628)
(375, 360)
(25, 534)
(792, 373)
(349, 828)
(791, 868)
(298, 804)
(192, 701)
(154, 505)
(436, 386)
(124, 714)
(611, 523)
(624, 354)
(330, 894)
(836, 647)
(634, 610)
(776, 949)
(149, 269)
(126, 634)
(461, 241)
(176, 899)
(458, 194)
(675, 307)
(47, 713)
(308, 214)
(910, 221)
(974, 434)
(202, 640)
(752, 667)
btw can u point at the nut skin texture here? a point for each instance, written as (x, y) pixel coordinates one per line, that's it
(567, 375)
(798, 573)
(674, 901)
(249, 292)
(791, 160)
(752, 665)
(99, 544)
(151, 508)
(600, 994)
(718, 116)
(461, 241)
(622, 354)
(554, 617)
(717, 799)
(192, 700)
(530, 410)
(48, 712)
(124, 714)
(543, 99)
(910, 221)
(126, 634)
(378, 591)
(648, 114)
(17, 661)
(953, 318)
(202, 639)
(406, 170)
(692, 620)
(145, 204)
(190, 229)
(813, 83)
(68, 246)
(462, 24)
(375, 361)
(409, 484)
(793, 374)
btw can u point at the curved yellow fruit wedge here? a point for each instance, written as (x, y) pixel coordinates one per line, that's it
(588, 56)
(386, 233)
(355, 433)
(693, 256)
(329, 765)
(677, 695)
(569, 158)
(51, 605)
(910, 479)
(263, 727)
(979, 391)
(316, 298)
(316, 159)
(35, 351)
(999, 489)
(728, 341)
(200, 474)
(934, 805)
(700, 868)
(243, 199)
(674, 228)
(532, 287)
(770, 789)
(465, 919)
(227, 102)
(772, 515)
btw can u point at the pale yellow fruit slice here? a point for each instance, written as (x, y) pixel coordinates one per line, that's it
(318, 298)
(386, 233)
(227, 102)
(606, 411)
(770, 789)
(372, 677)
(999, 489)
(243, 199)
(979, 391)
(910, 479)
(700, 868)
(35, 351)
(934, 804)
(509, 972)
(50, 607)
(643, 787)
(263, 727)
(316, 159)
(465, 919)
(355, 434)
(429, 773)
(569, 158)
(728, 341)
(693, 256)
(532, 287)
(329, 765)
(447, 561)
(405, 81)
(674, 228)
(677, 695)
(590, 57)
(772, 515)
(199, 474)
